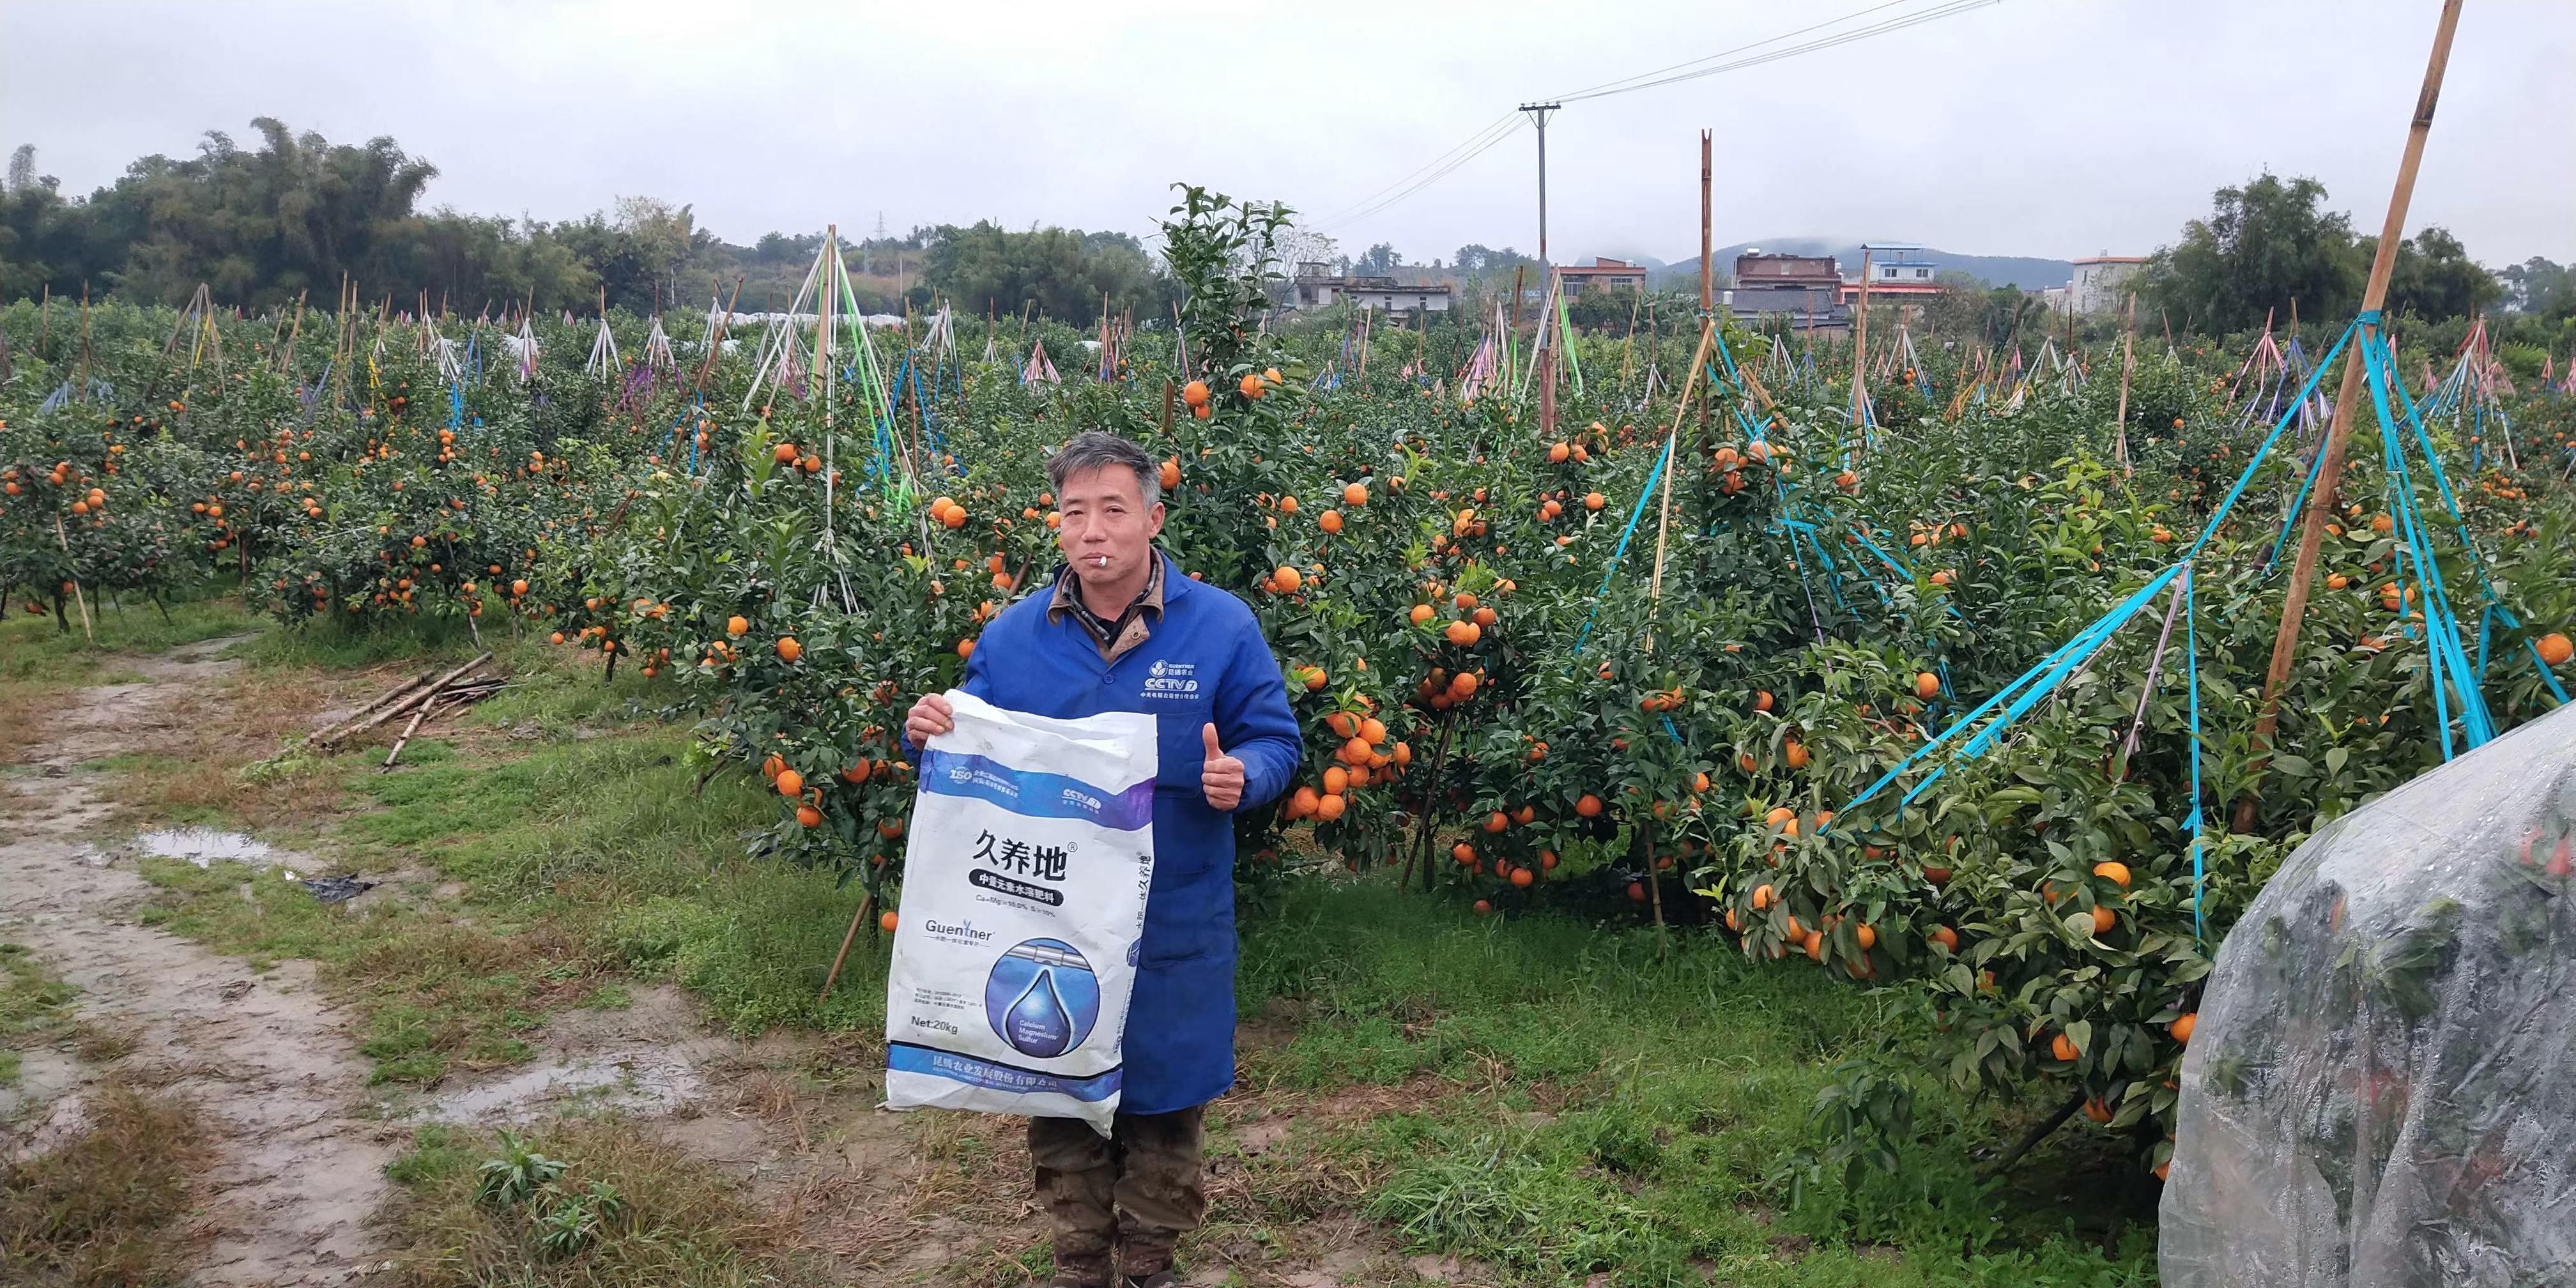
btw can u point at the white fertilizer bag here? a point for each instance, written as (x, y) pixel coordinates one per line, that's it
(1023, 909)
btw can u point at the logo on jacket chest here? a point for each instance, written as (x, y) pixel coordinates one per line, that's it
(1172, 681)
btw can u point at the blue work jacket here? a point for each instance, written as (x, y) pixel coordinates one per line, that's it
(1205, 661)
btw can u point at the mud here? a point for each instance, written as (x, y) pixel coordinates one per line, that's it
(299, 1161)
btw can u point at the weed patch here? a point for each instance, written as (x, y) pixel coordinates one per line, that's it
(108, 1204)
(579, 1204)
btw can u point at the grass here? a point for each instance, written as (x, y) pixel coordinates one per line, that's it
(33, 1006)
(108, 1204)
(674, 1223)
(37, 661)
(1543, 1096)
(1577, 1106)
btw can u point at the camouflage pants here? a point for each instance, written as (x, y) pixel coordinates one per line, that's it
(1137, 1192)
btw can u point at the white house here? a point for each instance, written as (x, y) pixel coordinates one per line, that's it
(2101, 282)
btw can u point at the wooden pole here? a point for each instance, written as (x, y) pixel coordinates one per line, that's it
(1707, 264)
(1547, 338)
(866, 901)
(2128, 363)
(2321, 502)
(77, 597)
(1860, 348)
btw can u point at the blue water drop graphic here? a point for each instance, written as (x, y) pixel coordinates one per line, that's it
(1038, 1024)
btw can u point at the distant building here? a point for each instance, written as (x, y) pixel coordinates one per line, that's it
(1804, 290)
(1602, 274)
(1396, 297)
(1899, 272)
(1316, 285)
(2102, 281)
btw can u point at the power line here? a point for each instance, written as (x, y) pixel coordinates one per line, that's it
(1951, 9)
(1439, 168)
(1494, 132)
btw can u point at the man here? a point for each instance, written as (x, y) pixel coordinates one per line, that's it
(1125, 630)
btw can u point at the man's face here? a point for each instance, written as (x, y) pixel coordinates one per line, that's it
(1107, 531)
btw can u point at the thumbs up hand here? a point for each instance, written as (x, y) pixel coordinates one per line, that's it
(1222, 778)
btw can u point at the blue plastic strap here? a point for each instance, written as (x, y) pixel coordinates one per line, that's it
(2264, 452)
(1634, 514)
(2191, 653)
(2018, 697)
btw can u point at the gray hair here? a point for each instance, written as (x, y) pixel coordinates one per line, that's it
(1097, 449)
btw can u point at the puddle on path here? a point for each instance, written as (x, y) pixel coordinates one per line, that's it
(203, 846)
(637, 1081)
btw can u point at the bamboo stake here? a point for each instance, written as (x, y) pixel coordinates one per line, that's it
(2128, 363)
(856, 919)
(2294, 604)
(1707, 282)
(77, 597)
(1860, 351)
(388, 696)
(406, 704)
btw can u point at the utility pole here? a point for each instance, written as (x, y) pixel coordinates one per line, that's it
(1539, 114)
(1547, 290)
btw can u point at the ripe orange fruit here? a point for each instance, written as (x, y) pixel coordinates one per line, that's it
(1372, 729)
(1784, 818)
(1484, 908)
(1301, 804)
(1761, 897)
(955, 517)
(1497, 821)
(1355, 495)
(1330, 807)
(1557, 452)
(2183, 1025)
(2115, 873)
(1762, 701)
(783, 453)
(1463, 852)
(1927, 686)
(1523, 877)
(788, 649)
(1195, 393)
(2555, 648)
(1287, 579)
(2064, 1048)
(1636, 892)
(1795, 753)
(1485, 616)
(1594, 500)
(1865, 936)
(1463, 684)
(1330, 521)
(1250, 385)
(1421, 613)
(1464, 634)
(809, 816)
(1946, 937)
(1589, 806)
(1336, 779)
(965, 648)
(2097, 1111)
(791, 784)
(1814, 943)
(1744, 761)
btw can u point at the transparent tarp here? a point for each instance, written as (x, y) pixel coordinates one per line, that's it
(2381, 1086)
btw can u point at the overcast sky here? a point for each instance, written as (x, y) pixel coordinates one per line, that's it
(2033, 127)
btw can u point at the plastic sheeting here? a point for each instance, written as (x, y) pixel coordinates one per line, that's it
(2381, 1085)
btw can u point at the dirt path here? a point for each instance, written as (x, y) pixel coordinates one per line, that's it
(266, 1059)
